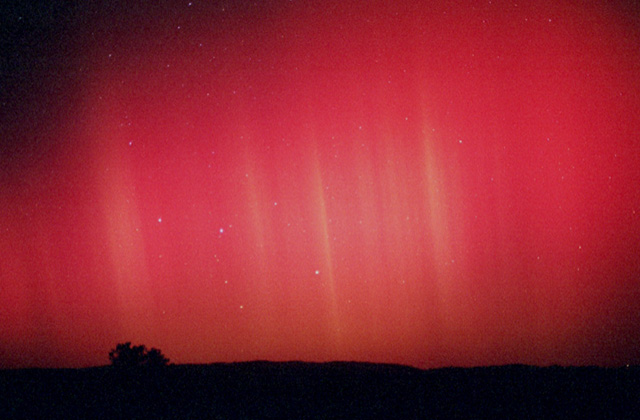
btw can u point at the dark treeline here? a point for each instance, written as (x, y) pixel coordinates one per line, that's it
(320, 390)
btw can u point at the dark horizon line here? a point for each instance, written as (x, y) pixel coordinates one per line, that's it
(341, 362)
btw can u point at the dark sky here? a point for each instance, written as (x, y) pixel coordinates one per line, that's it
(427, 183)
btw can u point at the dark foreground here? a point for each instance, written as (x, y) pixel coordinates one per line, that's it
(333, 390)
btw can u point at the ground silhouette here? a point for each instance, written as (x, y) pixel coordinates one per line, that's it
(265, 390)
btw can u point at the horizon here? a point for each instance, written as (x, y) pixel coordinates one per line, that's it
(424, 184)
(337, 362)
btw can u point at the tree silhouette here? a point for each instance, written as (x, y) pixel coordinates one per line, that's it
(127, 356)
(154, 357)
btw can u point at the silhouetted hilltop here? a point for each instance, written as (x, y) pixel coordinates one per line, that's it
(320, 390)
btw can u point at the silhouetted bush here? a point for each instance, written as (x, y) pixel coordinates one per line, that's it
(125, 355)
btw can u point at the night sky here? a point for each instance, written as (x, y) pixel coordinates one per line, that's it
(420, 182)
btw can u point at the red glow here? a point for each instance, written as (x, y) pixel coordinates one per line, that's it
(427, 185)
